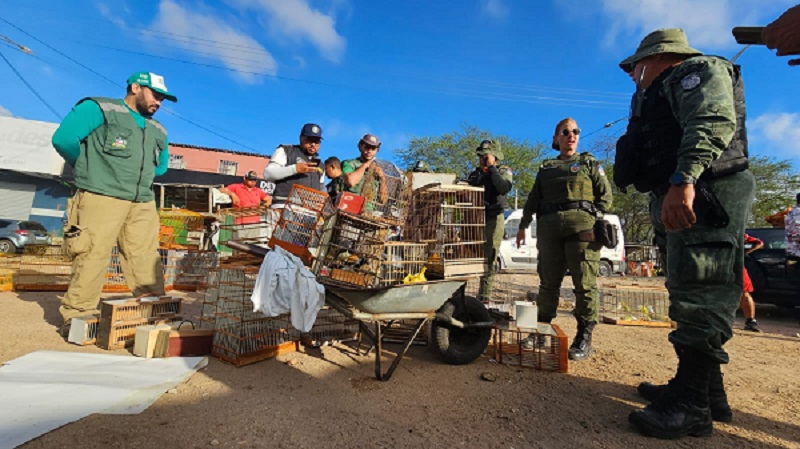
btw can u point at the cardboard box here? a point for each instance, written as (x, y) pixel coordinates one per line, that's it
(145, 339)
(174, 342)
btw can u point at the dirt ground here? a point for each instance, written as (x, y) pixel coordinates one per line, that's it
(328, 397)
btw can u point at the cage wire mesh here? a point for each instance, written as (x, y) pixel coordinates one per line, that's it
(253, 225)
(547, 353)
(193, 267)
(401, 259)
(387, 198)
(510, 287)
(451, 220)
(299, 227)
(634, 304)
(44, 268)
(352, 250)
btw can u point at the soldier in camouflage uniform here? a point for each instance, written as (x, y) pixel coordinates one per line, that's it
(686, 144)
(496, 182)
(569, 193)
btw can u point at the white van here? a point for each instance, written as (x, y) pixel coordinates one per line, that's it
(611, 260)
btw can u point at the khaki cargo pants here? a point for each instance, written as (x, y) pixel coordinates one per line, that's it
(97, 223)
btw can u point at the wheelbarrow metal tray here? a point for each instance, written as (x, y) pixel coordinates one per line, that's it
(423, 297)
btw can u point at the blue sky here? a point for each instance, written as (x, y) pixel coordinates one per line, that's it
(253, 71)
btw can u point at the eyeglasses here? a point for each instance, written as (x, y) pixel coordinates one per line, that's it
(565, 132)
(369, 147)
(313, 140)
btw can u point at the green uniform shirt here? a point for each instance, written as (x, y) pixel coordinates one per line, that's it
(351, 165)
(700, 91)
(579, 178)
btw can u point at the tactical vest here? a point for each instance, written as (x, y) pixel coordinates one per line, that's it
(118, 159)
(566, 181)
(313, 180)
(654, 136)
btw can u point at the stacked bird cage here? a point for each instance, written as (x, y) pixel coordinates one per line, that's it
(451, 220)
(180, 228)
(9, 267)
(387, 197)
(119, 318)
(635, 306)
(352, 250)
(401, 259)
(242, 336)
(193, 267)
(300, 226)
(44, 268)
(252, 225)
(209, 291)
(548, 351)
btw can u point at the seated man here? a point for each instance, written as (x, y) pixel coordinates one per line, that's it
(354, 171)
(246, 194)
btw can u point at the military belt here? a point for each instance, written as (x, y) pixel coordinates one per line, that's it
(588, 206)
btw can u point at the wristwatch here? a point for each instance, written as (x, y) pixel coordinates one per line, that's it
(680, 178)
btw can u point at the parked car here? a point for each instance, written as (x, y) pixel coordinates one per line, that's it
(525, 257)
(773, 282)
(16, 234)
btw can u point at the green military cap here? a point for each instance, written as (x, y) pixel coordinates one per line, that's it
(665, 40)
(490, 147)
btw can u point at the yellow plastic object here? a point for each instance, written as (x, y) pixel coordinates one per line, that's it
(415, 278)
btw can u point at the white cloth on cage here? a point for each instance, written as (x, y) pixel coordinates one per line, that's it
(283, 285)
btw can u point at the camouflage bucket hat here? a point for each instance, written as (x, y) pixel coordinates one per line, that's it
(666, 40)
(490, 147)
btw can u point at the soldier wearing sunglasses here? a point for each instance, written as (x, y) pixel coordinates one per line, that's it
(569, 193)
(296, 164)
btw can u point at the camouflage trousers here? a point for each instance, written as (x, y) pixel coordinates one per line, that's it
(493, 236)
(704, 268)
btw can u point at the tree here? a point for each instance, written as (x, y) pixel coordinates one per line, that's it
(776, 187)
(455, 153)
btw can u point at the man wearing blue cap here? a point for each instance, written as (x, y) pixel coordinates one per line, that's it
(116, 148)
(296, 164)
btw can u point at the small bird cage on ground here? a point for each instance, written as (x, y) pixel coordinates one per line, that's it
(352, 250)
(44, 268)
(252, 225)
(401, 259)
(192, 268)
(635, 306)
(180, 228)
(451, 220)
(548, 353)
(510, 287)
(388, 197)
(300, 225)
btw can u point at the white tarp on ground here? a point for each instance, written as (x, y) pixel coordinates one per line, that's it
(45, 390)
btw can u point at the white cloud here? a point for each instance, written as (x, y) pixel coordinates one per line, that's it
(495, 8)
(708, 23)
(5, 112)
(211, 38)
(776, 134)
(298, 21)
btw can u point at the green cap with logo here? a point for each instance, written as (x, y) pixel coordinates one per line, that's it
(154, 82)
(490, 147)
(665, 40)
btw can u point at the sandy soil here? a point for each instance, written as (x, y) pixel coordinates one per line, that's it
(328, 397)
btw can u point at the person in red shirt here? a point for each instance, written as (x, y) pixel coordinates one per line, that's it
(746, 303)
(246, 194)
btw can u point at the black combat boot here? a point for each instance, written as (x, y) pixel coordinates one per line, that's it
(683, 410)
(717, 398)
(582, 345)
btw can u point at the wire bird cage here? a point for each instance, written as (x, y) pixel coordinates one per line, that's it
(510, 287)
(548, 353)
(399, 260)
(210, 290)
(635, 306)
(120, 317)
(192, 268)
(352, 250)
(300, 225)
(451, 220)
(242, 336)
(43, 268)
(252, 225)
(180, 228)
(386, 199)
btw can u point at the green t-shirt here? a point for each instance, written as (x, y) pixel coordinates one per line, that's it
(351, 165)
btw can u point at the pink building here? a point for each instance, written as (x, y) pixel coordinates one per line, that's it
(215, 160)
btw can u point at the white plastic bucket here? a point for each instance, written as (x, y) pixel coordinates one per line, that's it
(526, 314)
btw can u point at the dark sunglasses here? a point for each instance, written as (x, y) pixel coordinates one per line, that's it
(314, 140)
(370, 147)
(565, 132)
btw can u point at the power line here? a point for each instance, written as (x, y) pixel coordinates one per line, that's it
(31, 88)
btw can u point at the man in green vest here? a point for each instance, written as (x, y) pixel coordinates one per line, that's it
(116, 148)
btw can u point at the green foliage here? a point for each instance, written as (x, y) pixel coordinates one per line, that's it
(776, 187)
(455, 153)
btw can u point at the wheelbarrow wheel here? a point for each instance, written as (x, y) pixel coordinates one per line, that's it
(461, 346)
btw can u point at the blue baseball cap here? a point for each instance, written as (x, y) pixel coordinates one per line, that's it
(154, 82)
(311, 130)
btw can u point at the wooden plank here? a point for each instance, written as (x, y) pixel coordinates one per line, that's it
(620, 322)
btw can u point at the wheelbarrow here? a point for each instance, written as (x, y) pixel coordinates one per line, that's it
(461, 325)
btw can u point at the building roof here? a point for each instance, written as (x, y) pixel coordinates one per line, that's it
(219, 150)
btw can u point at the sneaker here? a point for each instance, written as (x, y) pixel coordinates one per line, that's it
(751, 325)
(63, 330)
